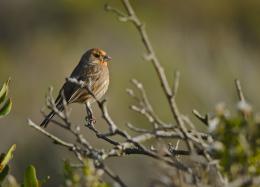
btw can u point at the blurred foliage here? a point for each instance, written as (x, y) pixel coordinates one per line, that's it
(4, 160)
(74, 176)
(5, 108)
(85, 176)
(5, 102)
(237, 144)
(30, 178)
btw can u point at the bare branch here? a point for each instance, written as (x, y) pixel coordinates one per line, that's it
(151, 56)
(239, 90)
(57, 140)
(114, 176)
(245, 181)
(203, 119)
(176, 83)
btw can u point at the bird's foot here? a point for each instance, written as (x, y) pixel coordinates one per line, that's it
(90, 121)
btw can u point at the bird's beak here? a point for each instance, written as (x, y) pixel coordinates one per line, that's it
(107, 58)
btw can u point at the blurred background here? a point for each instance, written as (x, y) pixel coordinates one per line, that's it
(211, 42)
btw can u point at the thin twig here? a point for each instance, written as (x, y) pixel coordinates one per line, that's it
(151, 56)
(114, 176)
(176, 83)
(203, 119)
(239, 90)
(57, 140)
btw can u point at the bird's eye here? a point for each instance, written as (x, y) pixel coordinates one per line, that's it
(96, 55)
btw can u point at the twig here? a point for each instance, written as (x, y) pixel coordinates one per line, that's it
(136, 129)
(245, 181)
(114, 176)
(239, 90)
(243, 105)
(51, 136)
(57, 140)
(203, 119)
(176, 83)
(146, 107)
(151, 56)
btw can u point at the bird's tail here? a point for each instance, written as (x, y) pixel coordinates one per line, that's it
(59, 106)
(47, 119)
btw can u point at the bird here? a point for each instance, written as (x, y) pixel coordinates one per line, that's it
(93, 70)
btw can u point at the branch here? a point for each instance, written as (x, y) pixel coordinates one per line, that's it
(145, 108)
(239, 90)
(203, 119)
(245, 181)
(57, 140)
(176, 83)
(243, 105)
(151, 56)
(113, 176)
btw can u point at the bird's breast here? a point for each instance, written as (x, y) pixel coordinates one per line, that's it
(97, 77)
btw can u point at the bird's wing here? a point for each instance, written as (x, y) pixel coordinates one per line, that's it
(69, 88)
(73, 91)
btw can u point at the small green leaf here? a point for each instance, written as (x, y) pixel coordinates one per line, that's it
(30, 178)
(3, 174)
(6, 108)
(7, 157)
(4, 91)
(5, 104)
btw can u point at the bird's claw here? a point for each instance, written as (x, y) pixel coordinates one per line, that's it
(90, 121)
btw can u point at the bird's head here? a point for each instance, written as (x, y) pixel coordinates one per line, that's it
(96, 56)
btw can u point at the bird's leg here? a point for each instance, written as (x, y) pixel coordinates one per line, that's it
(90, 118)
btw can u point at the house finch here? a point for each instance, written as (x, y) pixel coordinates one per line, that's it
(93, 71)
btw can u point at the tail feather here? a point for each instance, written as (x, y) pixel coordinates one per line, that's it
(47, 119)
(59, 106)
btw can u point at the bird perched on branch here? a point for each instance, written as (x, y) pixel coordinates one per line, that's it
(93, 71)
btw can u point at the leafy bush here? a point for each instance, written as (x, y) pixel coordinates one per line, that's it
(237, 144)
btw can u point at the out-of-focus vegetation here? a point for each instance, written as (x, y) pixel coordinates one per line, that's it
(6, 179)
(237, 143)
(73, 177)
(5, 102)
(4, 160)
(210, 42)
(87, 175)
(29, 180)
